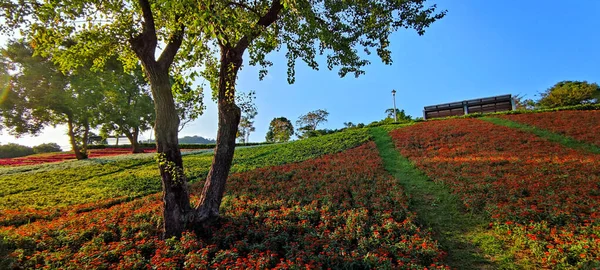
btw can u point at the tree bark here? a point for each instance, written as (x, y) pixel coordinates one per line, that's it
(176, 193)
(229, 119)
(79, 155)
(176, 201)
(133, 139)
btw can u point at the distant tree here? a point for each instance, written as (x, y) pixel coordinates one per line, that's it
(12, 150)
(248, 110)
(189, 103)
(309, 122)
(400, 115)
(569, 93)
(195, 140)
(280, 130)
(41, 95)
(47, 148)
(245, 128)
(349, 125)
(521, 103)
(127, 107)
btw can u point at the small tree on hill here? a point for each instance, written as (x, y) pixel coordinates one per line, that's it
(401, 116)
(310, 121)
(570, 93)
(280, 130)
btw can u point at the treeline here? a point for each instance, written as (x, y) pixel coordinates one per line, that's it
(13, 150)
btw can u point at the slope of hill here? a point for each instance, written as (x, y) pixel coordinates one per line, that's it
(327, 202)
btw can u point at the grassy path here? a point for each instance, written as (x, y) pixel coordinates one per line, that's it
(438, 209)
(546, 134)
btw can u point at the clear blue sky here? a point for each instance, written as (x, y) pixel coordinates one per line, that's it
(481, 48)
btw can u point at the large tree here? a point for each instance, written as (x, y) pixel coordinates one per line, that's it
(306, 28)
(127, 107)
(569, 93)
(280, 130)
(41, 95)
(133, 31)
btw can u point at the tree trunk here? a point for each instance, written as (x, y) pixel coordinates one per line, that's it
(175, 197)
(133, 139)
(78, 153)
(229, 119)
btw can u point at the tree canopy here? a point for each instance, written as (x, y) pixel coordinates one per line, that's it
(280, 130)
(41, 95)
(310, 121)
(570, 93)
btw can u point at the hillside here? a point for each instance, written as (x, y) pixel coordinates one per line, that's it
(503, 191)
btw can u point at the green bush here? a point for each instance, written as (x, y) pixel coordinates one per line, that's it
(46, 148)
(12, 150)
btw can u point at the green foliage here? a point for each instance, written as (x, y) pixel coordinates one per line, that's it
(77, 182)
(280, 130)
(307, 123)
(127, 107)
(47, 148)
(570, 93)
(401, 116)
(15, 150)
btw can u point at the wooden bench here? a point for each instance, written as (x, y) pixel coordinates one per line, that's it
(480, 105)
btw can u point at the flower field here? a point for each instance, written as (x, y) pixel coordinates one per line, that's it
(580, 125)
(340, 210)
(46, 190)
(543, 198)
(56, 157)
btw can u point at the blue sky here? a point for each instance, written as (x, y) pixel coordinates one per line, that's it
(481, 48)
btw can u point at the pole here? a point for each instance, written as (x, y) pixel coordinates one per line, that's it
(394, 98)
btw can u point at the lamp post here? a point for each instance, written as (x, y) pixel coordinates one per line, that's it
(394, 98)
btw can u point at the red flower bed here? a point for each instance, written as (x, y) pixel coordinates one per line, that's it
(580, 125)
(56, 157)
(543, 197)
(337, 211)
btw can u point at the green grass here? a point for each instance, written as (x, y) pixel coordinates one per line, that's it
(68, 183)
(546, 134)
(462, 235)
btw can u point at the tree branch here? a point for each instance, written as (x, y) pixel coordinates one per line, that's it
(264, 21)
(168, 54)
(145, 43)
(243, 6)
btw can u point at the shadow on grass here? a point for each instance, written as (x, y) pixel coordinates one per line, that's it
(461, 234)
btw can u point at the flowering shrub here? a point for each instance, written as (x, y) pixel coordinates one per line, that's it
(580, 125)
(338, 211)
(544, 199)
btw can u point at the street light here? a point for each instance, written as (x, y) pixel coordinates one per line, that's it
(394, 98)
